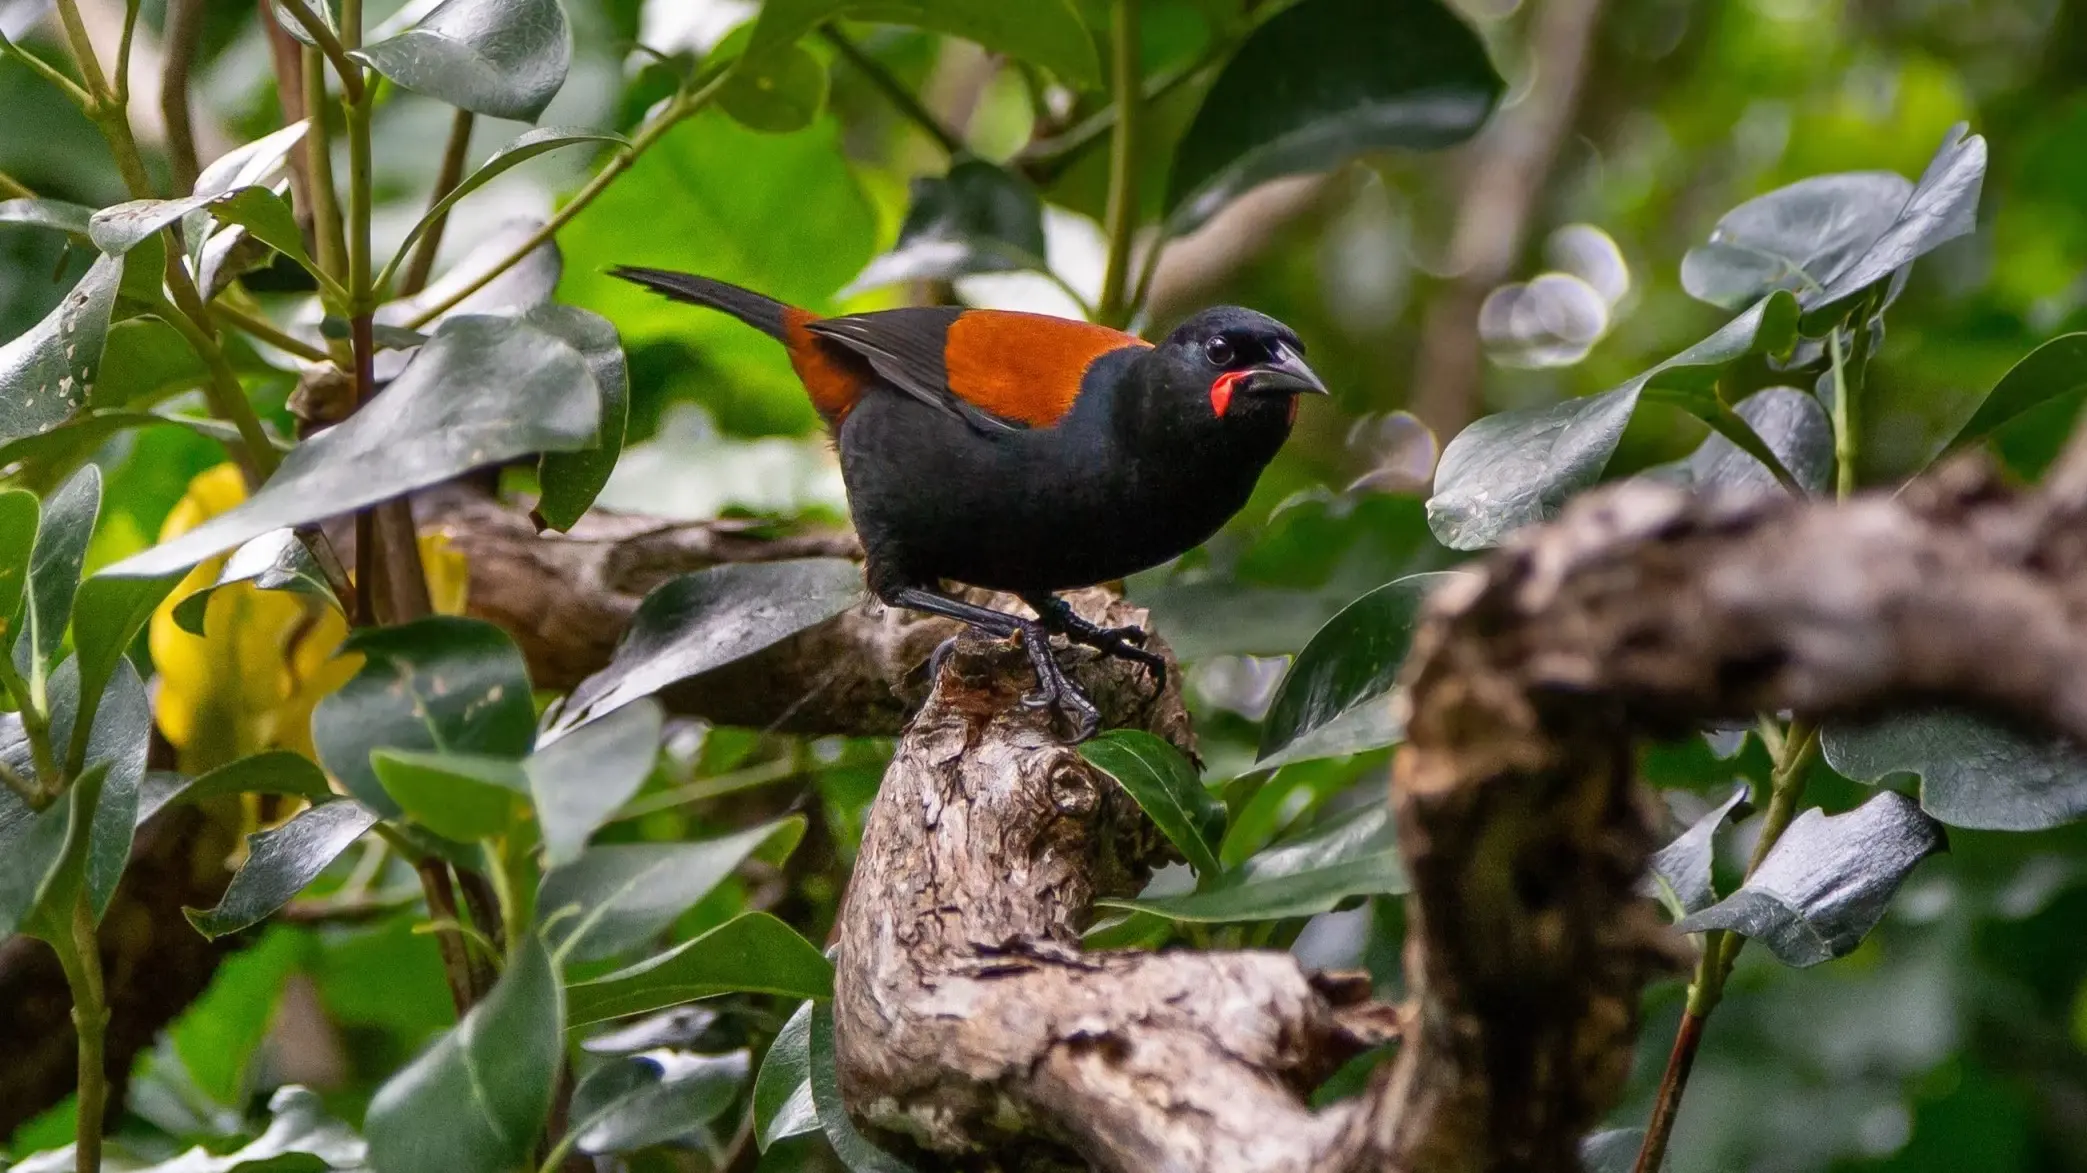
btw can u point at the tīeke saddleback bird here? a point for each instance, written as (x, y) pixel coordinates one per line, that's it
(1031, 454)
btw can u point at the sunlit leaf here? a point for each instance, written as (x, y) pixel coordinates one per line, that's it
(1942, 207)
(300, 1138)
(47, 372)
(54, 571)
(1682, 868)
(1352, 661)
(1827, 881)
(65, 217)
(1353, 855)
(464, 797)
(753, 952)
(503, 58)
(19, 516)
(277, 771)
(1796, 238)
(1166, 787)
(783, 1090)
(1794, 427)
(570, 481)
(281, 861)
(625, 894)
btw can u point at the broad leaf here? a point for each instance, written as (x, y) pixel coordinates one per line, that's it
(1352, 661)
(2052, 371)
(47, 372)
(502, 58)
(323, 9)
(443, 684)
(1364, 728)
(654, 1098)
(464, 797)
(281, 861)
(570, 481)
(1827, 881)
(482, 391)
(1973, 773)
(252, 163)
(276, 561)
(54, 572)
(1046, 32)
(267, 219)
(1943, 206)
(783, 1091)
(275, 771)
(776, 93)
(697, 622)
(1681, 869)
(1167, 789)
(1794, 427)
(108, 613)
(1517, 467)
(753, 953)
(300, 1138)
(57, 214)
(476, 1100)
(854, 1150)
(626, 894)
(1323, 82)
(1796, 238)
(531, 144)
(19, 516)
(578, 781)
(1353, 855)
(979, 218)
(116, 742)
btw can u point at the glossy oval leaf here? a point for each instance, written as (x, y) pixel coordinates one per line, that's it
(19, 516)
(281, 861)
(854, 1149)
(1797, 238)
(1827, 881)
(476, 1101)
(753, 953)
(776, 93)
(783, 1090)
(569, 482)
(1350, 855)
(1681, 871)
(1045, 32)
(57, 214)
(1517, 467)
(978, 218)
(1790, 423)
(1942, 207)
(656, 1098)
(116, 743)
(1166, 787)
(502, 58)
(275, 771)
(1353, 660)
(618, 897)
(47, 372)
(482, 391)
(696, 622)
(266, 218)
(300, 1138)
(1323, 82)
(69, 515)
(1973, 773)
(581, 779)
(276, 561)
(462, 797)
(2052, 371)
(440, 684)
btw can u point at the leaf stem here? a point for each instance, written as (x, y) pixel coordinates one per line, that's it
(352, 88)
(45, 70)
(328, 235)
(97, 84)
(1844, 420)
(257, 456)
(1121, 216)
(267, 331)
(901, 98)
(184, 29)
(130, 29)
(454, 155)
(13, 188)
(449, 936)
(360, 175)
(79, 955)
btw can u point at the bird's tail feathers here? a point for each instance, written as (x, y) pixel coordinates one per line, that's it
(763, 313)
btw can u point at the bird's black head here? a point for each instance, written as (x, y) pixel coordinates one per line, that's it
(1241, 363)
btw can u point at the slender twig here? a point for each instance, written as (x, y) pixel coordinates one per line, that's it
(1121, 216)
(327, 231)
(681, 107)
(352, 88)
(1844, 419)
(14, 189)
(449, 936)
(362, 332)
(80, 958)
(96, 82)
(359, 199)
(123, 43)
(898, 95)
(184, 28)
(45, 70)
(267, 331)
(422, 264)
(24, 789)
(189, 317)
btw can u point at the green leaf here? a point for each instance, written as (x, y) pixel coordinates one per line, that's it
(275, 771)
(1354, 660)
(54, 572)
(464, 797)
(484, 390)
(1361, 729)
(1046, 32)
(626, 894)
(267, 219)
(108, 613)
(1166, 788)
(30, 841)
(1943, 206)
(783, 1089)
(531, 144)
(1353, 855)
(1323, 82)
(776, 93)
(18, 522)
(2052, 371)
(752, 953)
(854, 1150)
(1613, 1151)
(502, 58)
(281, 861)
(1681, 869)
(1517, 467)
(444, 684)
(47, 372)
(979, 218)
(476, 1100)
(1827, 881)
(581, 779)
(323, 9)
(1973, 773)
(570, 481)
(116, 742)
(1789, 423)
(300, 1138)
(697, 622)
(276, 561)
(119, 228)
(1796, 238)
(655, 1098)
(65, 217)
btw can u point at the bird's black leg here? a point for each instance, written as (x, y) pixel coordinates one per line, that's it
(1122, 642)
(1054, 687)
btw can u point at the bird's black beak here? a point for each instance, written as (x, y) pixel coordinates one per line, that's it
(1284, 372)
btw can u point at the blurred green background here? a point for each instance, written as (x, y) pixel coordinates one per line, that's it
(1955, 1039)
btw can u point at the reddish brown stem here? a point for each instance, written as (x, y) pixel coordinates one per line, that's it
(1668, 1106)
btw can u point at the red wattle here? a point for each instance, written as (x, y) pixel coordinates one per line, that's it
(1221, 390)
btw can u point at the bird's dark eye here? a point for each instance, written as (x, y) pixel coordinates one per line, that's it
(1219, 351)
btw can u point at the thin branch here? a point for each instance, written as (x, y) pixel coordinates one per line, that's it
(130, 29)
(97, 83)
(901, 98)
(45, 70)
(454, 156)
(184, 29)
(255, 455)
(267, 331)
(1121, 216)
(350, 74)
(327, 230)
(14, 189)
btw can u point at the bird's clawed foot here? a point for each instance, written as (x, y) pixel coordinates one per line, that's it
(1124, 643)
(1054, 688)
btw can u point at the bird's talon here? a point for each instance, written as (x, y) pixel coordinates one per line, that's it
(939, 657)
